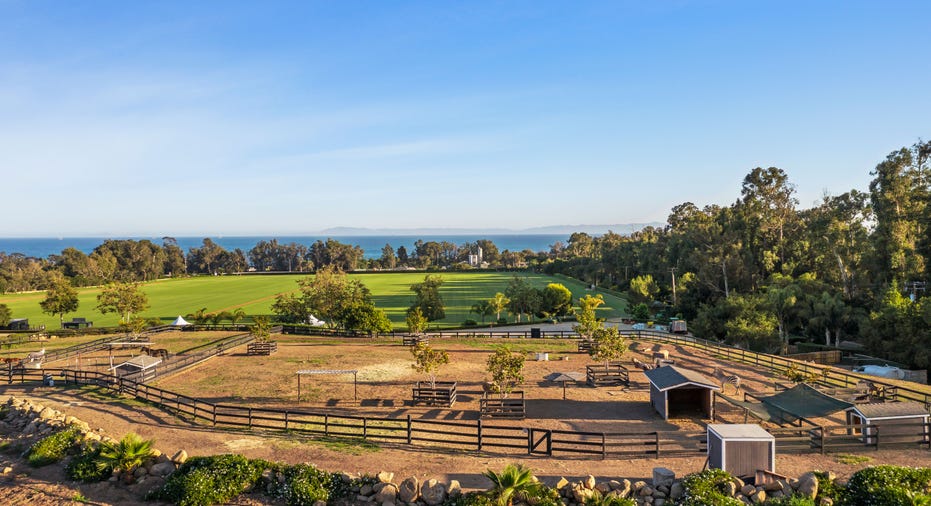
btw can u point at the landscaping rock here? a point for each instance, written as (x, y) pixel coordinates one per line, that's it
(747, 490)
(384, 477)
(162, 469)
(758, 497)
(409, 489)
(663, 477)
(808, 485)
(454, 489)
(433, 492)
(366, 490)
(561, 484)
(676, 491)
(603, 487)
(589, 482)
(387, 493)
(180, 457)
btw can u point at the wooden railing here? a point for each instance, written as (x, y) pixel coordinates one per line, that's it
(473, 435)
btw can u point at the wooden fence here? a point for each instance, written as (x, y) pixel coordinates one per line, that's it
(471, 435)
(826, 357)
(827, 376)
(264, 348)
(612, 374)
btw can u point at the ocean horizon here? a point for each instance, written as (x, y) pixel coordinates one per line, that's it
(42, 247)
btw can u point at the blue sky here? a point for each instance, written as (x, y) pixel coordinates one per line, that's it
(202, 118)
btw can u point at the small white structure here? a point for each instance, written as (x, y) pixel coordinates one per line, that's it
(314, 322)
(741, 449)
(899, 421)
(143, 365)
(179, 322)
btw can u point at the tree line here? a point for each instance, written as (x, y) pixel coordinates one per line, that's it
(128, 261)
(762, 271)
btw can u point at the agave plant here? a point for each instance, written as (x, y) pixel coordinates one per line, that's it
(598, 499)
(513, 482)
(125, 455)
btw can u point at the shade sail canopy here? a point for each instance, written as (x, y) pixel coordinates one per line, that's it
(800, 401)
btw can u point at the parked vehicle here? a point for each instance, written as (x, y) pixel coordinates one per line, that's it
(678, 327)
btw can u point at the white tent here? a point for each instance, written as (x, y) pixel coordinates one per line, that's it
(314, 322)
(180, 322)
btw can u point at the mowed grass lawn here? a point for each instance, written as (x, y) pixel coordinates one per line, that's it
(256, 293)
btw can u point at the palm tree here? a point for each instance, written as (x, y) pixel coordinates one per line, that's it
(125, 455)
(237, 316)
(513, 482)
(499, 303)
(482, 308)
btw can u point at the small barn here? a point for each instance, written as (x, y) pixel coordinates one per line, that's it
(676, 391)
(900, 421)
(18, 324)
(741, 449)
(141, 366)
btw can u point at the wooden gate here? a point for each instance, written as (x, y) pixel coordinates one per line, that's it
(540, 442)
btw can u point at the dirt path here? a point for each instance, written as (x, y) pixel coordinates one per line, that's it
(117, 417)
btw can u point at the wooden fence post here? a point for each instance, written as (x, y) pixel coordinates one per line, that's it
(604, 447)
(365, 426)
(409, 430)
(656, 435)
(326, 425)
(285, 420)
(214, 415)
(478, 428)
(250, 418)
(824, 440)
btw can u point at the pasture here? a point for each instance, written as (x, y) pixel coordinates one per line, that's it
(255, 294)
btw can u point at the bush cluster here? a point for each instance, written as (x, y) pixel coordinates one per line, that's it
(888, 486)
(54, 447)
(211, 480)
(305, 484)
(707, 487)
(86, 466)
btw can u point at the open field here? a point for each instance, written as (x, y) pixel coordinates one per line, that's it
(256, 293)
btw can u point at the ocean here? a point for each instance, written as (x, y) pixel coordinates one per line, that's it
(42, 247)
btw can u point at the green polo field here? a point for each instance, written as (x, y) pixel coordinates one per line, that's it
(255, 294)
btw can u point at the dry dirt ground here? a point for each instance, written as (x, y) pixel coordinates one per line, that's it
(385, 378)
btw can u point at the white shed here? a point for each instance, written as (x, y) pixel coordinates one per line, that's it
(741, 449)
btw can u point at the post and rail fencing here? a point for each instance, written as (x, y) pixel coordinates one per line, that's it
(475, 435)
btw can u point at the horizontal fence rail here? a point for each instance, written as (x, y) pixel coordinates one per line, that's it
(478, 435)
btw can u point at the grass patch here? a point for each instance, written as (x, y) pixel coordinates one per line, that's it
(522, 345)
(851, 459)
(347, 446)
(255, 295)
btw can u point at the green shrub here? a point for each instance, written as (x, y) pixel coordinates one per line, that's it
(217, 479)
(597, 499)
(707, 489)
(53, 448)
(85, 467)
(888, 486)
(469, 499)
(827, 488)
(793, 500)
(126, 455)
(469, 323)
(305, 484)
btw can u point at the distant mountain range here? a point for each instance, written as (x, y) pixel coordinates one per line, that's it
(620, 228)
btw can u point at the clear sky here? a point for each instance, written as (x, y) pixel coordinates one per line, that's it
(221, 117)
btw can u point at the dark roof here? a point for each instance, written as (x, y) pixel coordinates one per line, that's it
(670, 376)
(890, 409)
(803, 400)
